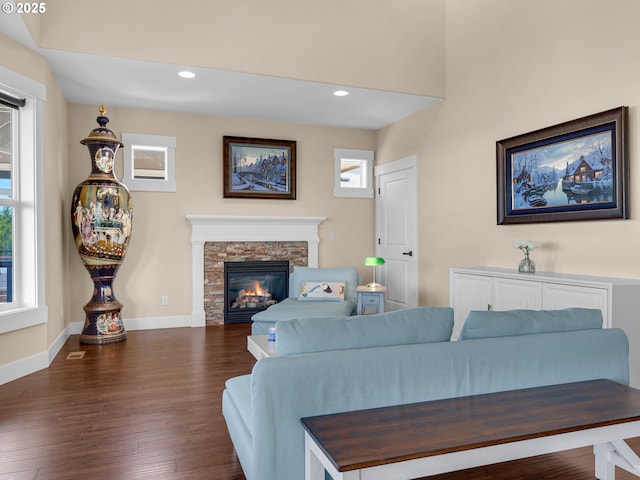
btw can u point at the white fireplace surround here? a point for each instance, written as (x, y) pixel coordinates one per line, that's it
(223, 228)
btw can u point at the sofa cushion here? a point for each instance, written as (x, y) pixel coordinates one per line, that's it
(241, 436)
(414, 325)
(346, 275)
(291, 308)
(484, 324)
(239, 391)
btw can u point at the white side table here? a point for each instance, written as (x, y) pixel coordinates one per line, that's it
(370, 299)
(261, 347)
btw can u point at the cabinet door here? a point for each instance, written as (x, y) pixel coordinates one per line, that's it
(469, 292)
(516, 295)
(567, 296)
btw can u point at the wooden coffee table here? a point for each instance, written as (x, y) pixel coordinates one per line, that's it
(422, 439)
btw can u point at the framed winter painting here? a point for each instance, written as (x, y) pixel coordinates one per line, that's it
(572, 171)
(259, 168)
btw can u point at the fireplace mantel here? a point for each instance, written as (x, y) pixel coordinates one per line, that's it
(227, 228)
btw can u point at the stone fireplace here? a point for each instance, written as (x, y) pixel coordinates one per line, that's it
(219, 239)
(251, 287)
(216, 254)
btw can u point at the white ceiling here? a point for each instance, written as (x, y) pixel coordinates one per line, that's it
(119, 82)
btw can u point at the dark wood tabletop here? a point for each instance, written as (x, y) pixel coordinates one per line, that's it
(379, 436)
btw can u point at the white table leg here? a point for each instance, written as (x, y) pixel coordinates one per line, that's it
(605, 469)
(612, 454)
(313, 468)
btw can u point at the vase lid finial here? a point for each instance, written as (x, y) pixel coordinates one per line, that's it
(102, 119)
(101, 133)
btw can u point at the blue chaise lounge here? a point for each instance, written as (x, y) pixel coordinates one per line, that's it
(308, 300)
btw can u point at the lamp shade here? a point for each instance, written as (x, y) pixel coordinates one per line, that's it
(373, 261)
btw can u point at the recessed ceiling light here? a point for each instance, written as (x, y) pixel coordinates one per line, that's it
(341, 93)
(186, 74)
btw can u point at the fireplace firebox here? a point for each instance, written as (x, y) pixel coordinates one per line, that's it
(250, 287)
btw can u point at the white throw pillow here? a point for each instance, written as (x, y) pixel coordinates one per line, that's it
(321, 291)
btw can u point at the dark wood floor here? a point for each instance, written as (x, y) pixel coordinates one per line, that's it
(150, 408)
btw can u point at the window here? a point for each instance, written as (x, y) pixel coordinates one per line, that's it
(9, 120)
(353, 173)
(21, 206)
(149, 162)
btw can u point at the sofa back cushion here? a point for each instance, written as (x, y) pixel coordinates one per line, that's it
(485, 324)
(346, 275)
(414, 325)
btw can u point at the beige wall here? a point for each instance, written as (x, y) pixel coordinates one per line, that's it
(395, 46)
(514, 67)
(159, 258)
(24, 343)
(57, 222)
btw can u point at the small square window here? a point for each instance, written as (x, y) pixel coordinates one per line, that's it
(353, 173)
(149, 162)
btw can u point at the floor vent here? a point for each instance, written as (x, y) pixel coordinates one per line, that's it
(75, 355)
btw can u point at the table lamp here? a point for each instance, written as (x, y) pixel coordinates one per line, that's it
(373, 262)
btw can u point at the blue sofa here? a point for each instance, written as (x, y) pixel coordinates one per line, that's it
(298, 305)
(352, 363)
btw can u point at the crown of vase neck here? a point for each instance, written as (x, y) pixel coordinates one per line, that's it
(101, 134)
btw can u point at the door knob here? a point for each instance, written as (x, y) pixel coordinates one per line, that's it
(409, 253)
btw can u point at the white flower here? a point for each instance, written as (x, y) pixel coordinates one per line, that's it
(526, 246)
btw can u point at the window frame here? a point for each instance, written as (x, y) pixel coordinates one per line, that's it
(367, 157)
(28, 307)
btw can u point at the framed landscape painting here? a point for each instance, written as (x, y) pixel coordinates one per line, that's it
(259, 168)
(572, 171)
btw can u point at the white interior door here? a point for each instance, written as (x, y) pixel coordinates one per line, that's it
(397, 231)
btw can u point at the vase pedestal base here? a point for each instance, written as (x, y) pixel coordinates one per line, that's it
(102, 339)
(103, 323)
(103, 327)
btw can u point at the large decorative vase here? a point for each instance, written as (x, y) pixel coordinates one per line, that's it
(101, 221)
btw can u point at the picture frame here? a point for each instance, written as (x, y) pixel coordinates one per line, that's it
(575, 170)
(259, 168)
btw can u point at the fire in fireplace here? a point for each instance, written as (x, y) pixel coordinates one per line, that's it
(250, 287)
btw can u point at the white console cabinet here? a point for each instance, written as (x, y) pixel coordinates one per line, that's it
(487, 288)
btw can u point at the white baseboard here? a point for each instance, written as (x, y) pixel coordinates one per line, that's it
(25, 366)
(152, 323)
(59, 342)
